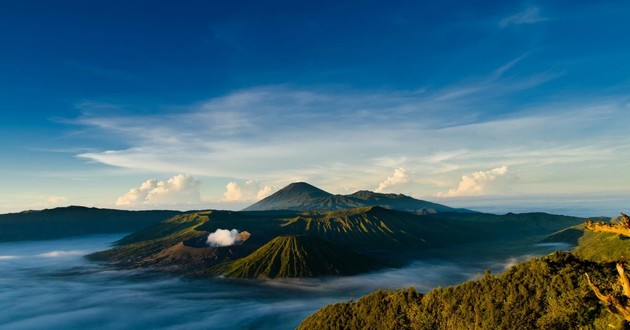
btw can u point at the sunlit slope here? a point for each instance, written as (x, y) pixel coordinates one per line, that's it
(297, 256)
(605, 240)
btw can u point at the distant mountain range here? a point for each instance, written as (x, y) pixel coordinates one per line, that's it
(74, 221)
(301, 196)
(298, 231)
(294, 243)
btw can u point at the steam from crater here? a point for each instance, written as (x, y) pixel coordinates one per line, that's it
(223, 237)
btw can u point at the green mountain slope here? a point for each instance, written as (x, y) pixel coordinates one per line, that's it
(543, 293)
(377, 227)
(372, 230)
(134, 248)
(569, 235)
(302, 196)
(297, 256)
(604, 247)
(73, 221)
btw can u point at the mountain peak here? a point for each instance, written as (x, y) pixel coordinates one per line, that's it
(297, 195)
(303, 187)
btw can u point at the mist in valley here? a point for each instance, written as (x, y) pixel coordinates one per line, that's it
(50, 285)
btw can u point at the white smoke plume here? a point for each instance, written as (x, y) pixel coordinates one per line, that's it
(223, 237)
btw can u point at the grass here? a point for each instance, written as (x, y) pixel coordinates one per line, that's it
(602, 247)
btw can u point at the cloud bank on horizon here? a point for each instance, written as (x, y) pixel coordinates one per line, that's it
(434, 100)
(493, 182)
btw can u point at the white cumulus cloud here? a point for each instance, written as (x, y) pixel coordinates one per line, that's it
(249, 191)
(399, 177)
(180, 189)
(223, 237)
(494, 181)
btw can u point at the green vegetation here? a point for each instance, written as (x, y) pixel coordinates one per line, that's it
(605, 247)
(179, 243)
(297, 256)
(550, 292)
(74, 221)
(543, 293)
(605, 240)
(376, 227)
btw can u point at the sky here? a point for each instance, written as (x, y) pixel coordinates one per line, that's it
(498, 105)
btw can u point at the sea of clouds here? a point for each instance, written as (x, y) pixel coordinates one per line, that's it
(50, 285)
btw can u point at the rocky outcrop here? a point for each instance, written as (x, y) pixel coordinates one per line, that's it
(621, 228)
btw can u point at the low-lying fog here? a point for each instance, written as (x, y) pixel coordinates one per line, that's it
(49, 285)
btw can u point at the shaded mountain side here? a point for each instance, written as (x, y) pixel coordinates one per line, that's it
(401, 202)
(569, 235)
(258, 224)
(297, 256)
(167, 227)
(74, 221)
(295, 196)
(302, 196)
(365, 228)
(533, 223)
(542, 293)
(143, 244)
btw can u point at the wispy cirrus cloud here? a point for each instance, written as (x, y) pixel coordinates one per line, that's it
(530, 15)
(352, 139)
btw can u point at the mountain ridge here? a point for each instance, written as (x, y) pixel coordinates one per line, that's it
(75, 220)
(302, 196)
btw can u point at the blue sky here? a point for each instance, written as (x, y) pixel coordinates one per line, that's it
(203, 104)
